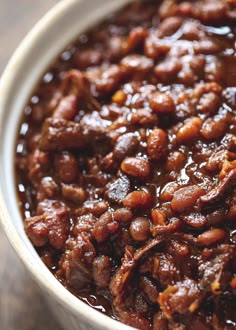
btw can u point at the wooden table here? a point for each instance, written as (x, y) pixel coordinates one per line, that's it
(22, 306)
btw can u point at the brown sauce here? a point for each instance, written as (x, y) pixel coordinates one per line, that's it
(126, 166)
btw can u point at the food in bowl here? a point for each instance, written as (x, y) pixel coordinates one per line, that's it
(126, 166)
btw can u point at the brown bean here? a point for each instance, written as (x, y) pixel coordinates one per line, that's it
(136, 63)
(140, 229)
(209, 103)
(161, 103)
(123, 215)
(212, 11)
(158, 217)
(67, 167)
(167, 70)
(144, 117)
(195, 220)
(175, 161)
(73, 193)
(125, 146)
(136, 167)
(186, 197)
(135, 39)
(168, 191)
(206, 47)
(157, 144)
(211, 236)
(138, 199)
(214, 128)
(155, 48)
(169, 26)
(190, 130)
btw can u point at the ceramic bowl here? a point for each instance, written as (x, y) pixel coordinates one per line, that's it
(47, 39)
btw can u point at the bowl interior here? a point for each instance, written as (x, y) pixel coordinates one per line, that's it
(47, 39)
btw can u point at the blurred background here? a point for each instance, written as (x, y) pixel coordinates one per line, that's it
(22, 306)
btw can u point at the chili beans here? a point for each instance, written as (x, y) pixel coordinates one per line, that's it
(126, 165)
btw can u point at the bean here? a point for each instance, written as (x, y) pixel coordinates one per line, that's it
(155, 48)
(136, 63)
(195, 220)
(186, 197)
(212, 11)
(123, 215)
(138, 199)
(168, 191)
(175, 161)
(167, 70)
(136, 167)
(206, 47)
(157, 144)
(67, 167)
(169, 26)
(119, 97)
(140, 229)
(73, 193)
(211, 237)
(158, 217)
(214, 128)
(162, 103)
(189, 131)
(135, 39)
(125, 146)
(209, 103)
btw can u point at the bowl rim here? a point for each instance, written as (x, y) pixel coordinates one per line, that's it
(49, 283)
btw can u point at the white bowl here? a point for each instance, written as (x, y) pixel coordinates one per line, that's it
(46, 40)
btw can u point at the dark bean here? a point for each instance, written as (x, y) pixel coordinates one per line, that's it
(140, 229)
(67, 167)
